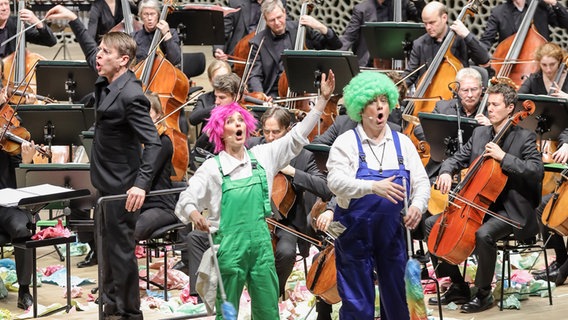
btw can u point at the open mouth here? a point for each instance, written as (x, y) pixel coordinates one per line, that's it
(380, 116)
(239, 133)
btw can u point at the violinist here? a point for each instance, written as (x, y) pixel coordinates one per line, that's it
(236, 186)
(550, 59)
(279, 35)
(41, 34)
(239, 24)
(467, 100)
(158, 211)
(125, 148)
(424, 49)
(363, 165)
(104, 15)
(304, 176)
(372, 11)
(506, 18)
(522, 163)
(558, 270)
(14, 221)
(149, 13)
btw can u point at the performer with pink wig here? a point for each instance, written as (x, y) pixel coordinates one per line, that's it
(235, 188)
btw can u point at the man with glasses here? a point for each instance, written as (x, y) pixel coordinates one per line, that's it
(467, 100)
(149, 12)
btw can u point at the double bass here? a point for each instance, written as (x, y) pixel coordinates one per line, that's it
(453, 236)
(172, 86)
(434, 83)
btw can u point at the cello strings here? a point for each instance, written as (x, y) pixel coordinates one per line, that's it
(491, 213)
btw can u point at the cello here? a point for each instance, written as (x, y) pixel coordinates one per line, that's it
(516, 52)
(434, 83)
(172, 86)
(555, 215)
(453, 236)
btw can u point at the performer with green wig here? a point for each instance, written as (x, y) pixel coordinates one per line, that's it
(367, 166)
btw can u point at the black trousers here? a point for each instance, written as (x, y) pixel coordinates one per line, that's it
(14, 223)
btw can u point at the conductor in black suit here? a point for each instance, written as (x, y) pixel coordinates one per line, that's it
(125, 148)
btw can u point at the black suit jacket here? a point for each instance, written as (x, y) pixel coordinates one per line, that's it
(43, 36)
(523, 166)
(268, 66)
(534, 84)
(122, 126)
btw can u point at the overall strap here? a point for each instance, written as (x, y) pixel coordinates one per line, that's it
(396, 141)
(362, 156)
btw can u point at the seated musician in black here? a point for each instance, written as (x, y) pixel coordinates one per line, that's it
(469, 93)
(304, 177)
(281, 34)
(506, 18)
(40, 34)
(522, 164)
(105, 15)
(158, 211)
(558, 270)
(14, 221)
(425, 48)
(149, 13)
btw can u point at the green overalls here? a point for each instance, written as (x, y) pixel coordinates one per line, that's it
(245, 253)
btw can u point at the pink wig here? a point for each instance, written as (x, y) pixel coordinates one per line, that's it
(215, 127)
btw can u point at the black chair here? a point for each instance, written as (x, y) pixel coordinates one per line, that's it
(510, 245)
(193, 66)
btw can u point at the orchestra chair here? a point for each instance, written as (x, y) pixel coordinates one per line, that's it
(163, 240)
(509, 245)
(193, 65)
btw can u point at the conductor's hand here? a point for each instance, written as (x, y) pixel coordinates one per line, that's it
(444, 183)
(561, 155)
(412, 217)
(135, 199)
(389, 190)
(199, 221)
(59, 12)
(327, 84)
(460, 29)
(494, 151)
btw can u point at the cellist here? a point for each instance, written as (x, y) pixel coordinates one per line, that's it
(522, 163)
(280, 34)
(239, 24)
(506, 18)
(41, 34)
(149, 13)
(465, 46)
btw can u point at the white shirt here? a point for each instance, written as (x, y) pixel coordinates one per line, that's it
(343, 163)
(204, 190)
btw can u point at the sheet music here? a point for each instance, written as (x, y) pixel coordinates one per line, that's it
(11, 197)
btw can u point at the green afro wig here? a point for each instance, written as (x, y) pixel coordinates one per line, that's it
(364, 88)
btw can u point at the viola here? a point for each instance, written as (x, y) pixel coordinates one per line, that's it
(12, 135)
(453, 236)
(555, 215)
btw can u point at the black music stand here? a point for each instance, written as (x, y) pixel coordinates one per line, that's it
(303, 67)
(34, 199)
(198, 27)
(391, 40)
(441, 132)
(321, 154)
(56, 124)
(550, 117)
(66, 81)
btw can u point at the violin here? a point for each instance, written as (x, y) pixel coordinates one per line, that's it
(555, 215)
(453, 236)
(12, 135)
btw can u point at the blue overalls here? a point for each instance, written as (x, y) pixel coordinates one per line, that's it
(374, 238)
(245, 252)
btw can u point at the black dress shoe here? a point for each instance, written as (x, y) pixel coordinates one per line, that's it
(25, 300)
(478, 304)
(552, 276)
(560, 277)
(551, 268)
(457, 293)
(181, 266)
(90, 260)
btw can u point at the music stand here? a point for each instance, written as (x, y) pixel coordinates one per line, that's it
(56, 124)
(550, 117)
(391, 40)
(198, 26)
(65, 80)
(441, 132)
(302, 68)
